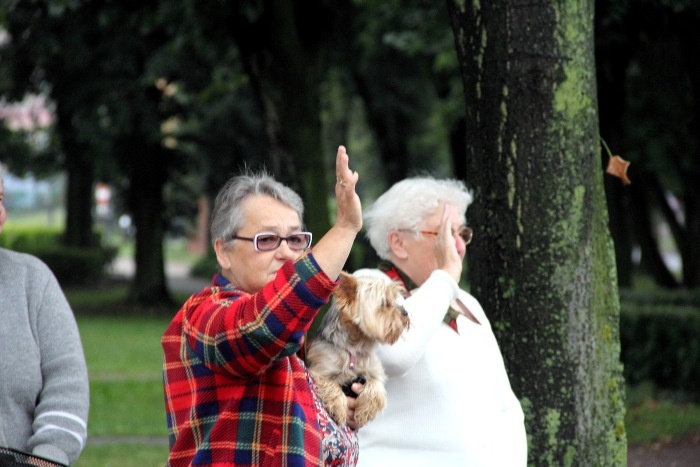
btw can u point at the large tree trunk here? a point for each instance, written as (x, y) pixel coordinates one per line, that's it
(149, 286)
(542, 261)
(79, 193)
(145, 162)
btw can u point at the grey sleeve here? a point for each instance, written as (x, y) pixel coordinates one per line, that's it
(59, 430)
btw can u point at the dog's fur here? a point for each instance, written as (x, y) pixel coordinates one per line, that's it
(364, 311)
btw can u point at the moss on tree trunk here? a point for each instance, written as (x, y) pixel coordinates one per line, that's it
(542, 262)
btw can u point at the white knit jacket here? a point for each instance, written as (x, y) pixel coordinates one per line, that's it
(449, 399)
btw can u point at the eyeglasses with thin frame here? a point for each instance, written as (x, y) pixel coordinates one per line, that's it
(268, 241)
(465, 232)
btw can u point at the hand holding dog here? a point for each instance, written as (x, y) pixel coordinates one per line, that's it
(352, 405)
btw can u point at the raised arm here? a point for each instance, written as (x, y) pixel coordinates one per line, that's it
(332, 250)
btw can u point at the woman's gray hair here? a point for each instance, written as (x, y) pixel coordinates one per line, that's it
(407, 204)
(228, 217)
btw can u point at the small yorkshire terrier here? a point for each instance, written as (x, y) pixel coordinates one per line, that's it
(364, 311)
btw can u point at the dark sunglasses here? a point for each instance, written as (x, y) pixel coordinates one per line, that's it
(267, 241)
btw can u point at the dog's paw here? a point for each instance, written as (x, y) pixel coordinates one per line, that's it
(369, 404)
(364, 415)
(338, 410)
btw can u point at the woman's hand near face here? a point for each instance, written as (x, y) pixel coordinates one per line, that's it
(448, 258)
(333, 249)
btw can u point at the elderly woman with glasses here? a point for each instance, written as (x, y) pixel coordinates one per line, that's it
(450, 402)
(236, 391)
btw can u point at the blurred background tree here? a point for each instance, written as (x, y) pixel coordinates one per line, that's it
(165, 100)
(649, 98)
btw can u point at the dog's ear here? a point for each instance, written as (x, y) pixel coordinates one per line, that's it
(347, 289)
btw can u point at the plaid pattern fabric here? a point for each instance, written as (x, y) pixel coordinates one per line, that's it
(235, 391)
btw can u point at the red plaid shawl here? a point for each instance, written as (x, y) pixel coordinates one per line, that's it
(235, 391)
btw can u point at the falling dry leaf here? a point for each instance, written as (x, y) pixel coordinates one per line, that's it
(617, 167)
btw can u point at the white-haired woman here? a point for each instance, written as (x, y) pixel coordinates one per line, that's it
(450, 402)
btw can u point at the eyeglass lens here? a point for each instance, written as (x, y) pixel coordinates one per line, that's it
(267, 242)
(466, 233)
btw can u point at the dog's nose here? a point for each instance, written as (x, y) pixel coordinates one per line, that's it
(404, 312)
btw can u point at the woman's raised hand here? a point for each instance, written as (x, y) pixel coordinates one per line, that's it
(349, 208)
(333, 249)
(446, 254)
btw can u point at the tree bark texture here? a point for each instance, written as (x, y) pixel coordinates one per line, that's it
(149, 286)
(79, 195)
(542, 261)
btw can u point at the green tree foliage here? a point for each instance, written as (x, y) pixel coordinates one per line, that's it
(36, 64)
(14, 150)
(177, 96)
(98, 63)
(166, 100)
(401, 64)
(542, 261)
(285, 47)
(144, 100)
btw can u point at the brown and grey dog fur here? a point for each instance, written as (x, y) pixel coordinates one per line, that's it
(364, 311)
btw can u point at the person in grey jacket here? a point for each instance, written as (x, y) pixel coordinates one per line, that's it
(44, 389)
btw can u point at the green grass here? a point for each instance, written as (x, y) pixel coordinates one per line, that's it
(118, 348)
(652, 417)
(661, 420)
(124, 362)
(43, 217)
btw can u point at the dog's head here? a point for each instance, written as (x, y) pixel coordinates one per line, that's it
(373, 305)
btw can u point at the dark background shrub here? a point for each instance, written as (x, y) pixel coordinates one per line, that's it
(660, 342)
(71, 265)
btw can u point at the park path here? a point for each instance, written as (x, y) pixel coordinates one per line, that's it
(177, 274)
(683, 452)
